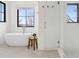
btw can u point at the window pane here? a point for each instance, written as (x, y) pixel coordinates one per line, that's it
(30, 12)
(22, 21)
(26, 17)
(22, 12)
(1, 16)
(30, 21)
(71, 13)
(1, 7)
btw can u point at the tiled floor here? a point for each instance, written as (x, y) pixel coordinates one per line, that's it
(24, 52)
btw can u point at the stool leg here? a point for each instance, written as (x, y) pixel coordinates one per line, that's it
(36, 44)
(33, 44)
(28, 43)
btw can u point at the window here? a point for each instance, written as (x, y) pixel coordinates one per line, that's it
(72, 13)
(25, 17)
(2, 12)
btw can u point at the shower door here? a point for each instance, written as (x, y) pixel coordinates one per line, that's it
(51, 24)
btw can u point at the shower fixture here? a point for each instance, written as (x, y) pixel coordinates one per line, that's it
(52, 6)
(58, 2)
(47, 6)
(43, 6)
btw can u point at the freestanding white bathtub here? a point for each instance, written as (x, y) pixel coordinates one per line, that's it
(17, 39)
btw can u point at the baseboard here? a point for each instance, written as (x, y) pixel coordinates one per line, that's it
(61, 53)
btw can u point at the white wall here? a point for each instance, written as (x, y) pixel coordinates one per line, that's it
(10, 26)
(12, 21)
(2, 31)
(69, 34)
(3, 25)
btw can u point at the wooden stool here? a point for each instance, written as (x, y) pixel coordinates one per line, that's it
(33, 43)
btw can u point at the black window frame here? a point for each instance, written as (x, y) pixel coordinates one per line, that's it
(28, 16)
(77, 11)
(4, 11)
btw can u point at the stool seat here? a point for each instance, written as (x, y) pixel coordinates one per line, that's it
(32, 37)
